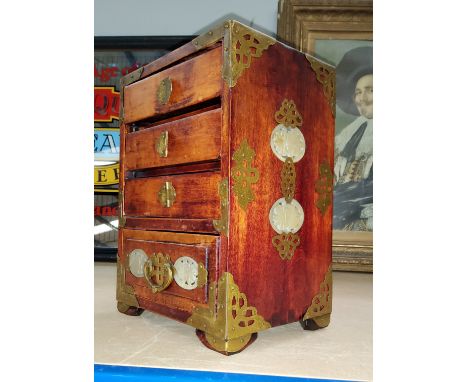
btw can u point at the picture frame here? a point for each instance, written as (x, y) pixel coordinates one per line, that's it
(306, 25)
(115, 56)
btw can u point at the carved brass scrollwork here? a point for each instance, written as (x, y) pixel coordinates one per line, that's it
(286, 244)
(244, 44)
(288, 115)
(288, 179)
(321, 306)
(229, 324)
(326, 76)
(324, 187)
(243, 174)
(159, 268)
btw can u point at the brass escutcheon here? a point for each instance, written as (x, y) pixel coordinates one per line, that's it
(167, 195)
(159, 268)
(164, 91)
(162, 143)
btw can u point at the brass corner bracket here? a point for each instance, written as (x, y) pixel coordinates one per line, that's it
(131, 77)
(125, 293)
(327, 77)
(241, 43)
(320, 309)
(243, 174)
(222, 225)
(229, 323)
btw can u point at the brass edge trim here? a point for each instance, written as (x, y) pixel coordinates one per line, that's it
(243, 174)
(122, 218)
(131, 77)
(322, 302)
(218, 319)
(209, 38)
(233, 67)
(324, 187)
(125, 293)
(222, 225)
(202, 275)
(327, 77)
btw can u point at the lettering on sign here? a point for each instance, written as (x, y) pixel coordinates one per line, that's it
(106, 104)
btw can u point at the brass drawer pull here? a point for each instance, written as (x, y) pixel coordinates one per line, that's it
(162, 144)
(167, 194)
(159, 268)
(164, 91)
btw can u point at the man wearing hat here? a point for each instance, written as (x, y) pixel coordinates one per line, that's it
(353, 200)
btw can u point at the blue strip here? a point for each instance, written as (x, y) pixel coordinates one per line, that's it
(111, 373)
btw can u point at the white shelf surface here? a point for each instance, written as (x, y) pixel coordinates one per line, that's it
(343, 350)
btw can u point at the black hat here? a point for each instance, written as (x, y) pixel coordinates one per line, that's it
(354, 64)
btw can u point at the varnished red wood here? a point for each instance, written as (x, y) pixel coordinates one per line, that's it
(167, 224)
(193, 81)
(280, 290)
(185, 138)
(196, 196)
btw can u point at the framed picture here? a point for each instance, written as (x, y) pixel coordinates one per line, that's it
(115, 57)
(340, 33)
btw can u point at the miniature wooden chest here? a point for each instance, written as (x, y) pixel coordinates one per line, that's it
(226, 187)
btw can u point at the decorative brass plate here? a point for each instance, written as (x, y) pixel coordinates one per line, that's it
(321, 306)
(242, 44)
(164, 91)
(125, 293)
(243, 174)
(286, 244)
(222, 225)
(288, 180)
(162, 144)
(167, 194)
(202, 275)
(324, 187)
(327, 77)
(230, 319)
(288, 115)
(159, 268)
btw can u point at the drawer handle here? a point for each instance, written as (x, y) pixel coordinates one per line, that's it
(164, 91)
(167, 195)
(159, 268)
(162, 143)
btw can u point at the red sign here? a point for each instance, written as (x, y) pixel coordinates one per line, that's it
(106, 104)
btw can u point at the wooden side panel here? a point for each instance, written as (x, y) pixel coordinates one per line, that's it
(193, 139)
(281, 290)
(193, 81)
(196, 196)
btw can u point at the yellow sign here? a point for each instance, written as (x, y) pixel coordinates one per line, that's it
(106, 175)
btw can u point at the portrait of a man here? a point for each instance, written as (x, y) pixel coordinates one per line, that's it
(353, 171)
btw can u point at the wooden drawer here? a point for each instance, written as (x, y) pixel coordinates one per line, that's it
(193, 81)
(193, 139)
(201, 248)
(196, 196)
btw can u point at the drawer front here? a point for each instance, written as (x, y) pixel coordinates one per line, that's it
(201, 249)
(185, 84)
(194, 196)
(188, 140)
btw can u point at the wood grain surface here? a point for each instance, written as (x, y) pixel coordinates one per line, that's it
(193, 81)
(196, 196)
(281, 290)
(175, 301)
(190, 140)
